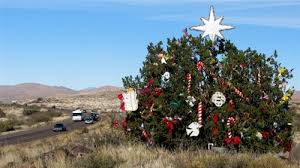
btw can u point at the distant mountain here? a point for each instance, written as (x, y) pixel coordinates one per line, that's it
(296, 96)
(100, 89)
(32, 90)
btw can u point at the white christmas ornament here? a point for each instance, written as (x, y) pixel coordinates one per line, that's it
(191, 101)
(259, 135)
(166, 76)
(162, 58)
(218, 99)
(130, 100)
(165, 79)
(193, 129)
(212, 26)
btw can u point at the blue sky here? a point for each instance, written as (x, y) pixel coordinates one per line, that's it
(89, 43)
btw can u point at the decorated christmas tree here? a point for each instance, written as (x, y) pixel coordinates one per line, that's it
(195, 92)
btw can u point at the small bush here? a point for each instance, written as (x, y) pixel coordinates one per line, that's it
(29, 110)
(6, 126)
(297, 122)
(39, 117)
(2, 114)
(96, 160)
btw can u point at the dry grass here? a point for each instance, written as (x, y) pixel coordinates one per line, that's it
(110, 148)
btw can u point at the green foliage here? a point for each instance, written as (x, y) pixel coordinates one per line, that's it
(226, 69)
(29, 110)
(6, 126)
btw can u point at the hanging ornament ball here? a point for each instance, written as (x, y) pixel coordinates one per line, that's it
(193, 129)
(218, 99)
(174, 105)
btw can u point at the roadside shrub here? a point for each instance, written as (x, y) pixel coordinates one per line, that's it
(2, 114)
(29, 110)
(39, 117)
(39, 100)
(42, 117)
(95, 160)
(297, 122)
(6, 126)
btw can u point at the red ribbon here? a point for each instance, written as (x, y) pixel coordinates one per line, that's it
(236, 140)
(170, 125)
(122, 106)
(215, 118)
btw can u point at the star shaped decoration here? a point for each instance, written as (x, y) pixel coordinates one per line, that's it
(212, 27)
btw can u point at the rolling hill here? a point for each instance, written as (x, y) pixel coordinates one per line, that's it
(34, 90)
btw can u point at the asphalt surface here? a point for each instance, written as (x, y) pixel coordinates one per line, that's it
(38, 133)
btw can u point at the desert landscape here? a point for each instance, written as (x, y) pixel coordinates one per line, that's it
(101, 145)
(149, 84)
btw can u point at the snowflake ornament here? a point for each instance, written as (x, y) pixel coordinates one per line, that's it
(212, 26)
(218, 99)
(191, 101)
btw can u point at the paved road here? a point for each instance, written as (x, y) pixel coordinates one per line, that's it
(37, 133)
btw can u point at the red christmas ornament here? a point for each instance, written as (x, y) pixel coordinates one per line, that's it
(236, 140)
(243, 66)
(170, 125)
(200, 65)
(227, 140)
(145, 135)
(157, 92)
(215, 118)
(265, 134)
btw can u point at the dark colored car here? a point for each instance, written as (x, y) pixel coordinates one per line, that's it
(89, 120)
(95, 116)
(59, 127)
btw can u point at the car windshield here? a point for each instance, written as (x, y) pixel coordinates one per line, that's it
(58, 125)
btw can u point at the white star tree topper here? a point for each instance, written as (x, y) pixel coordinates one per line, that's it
(212, 27)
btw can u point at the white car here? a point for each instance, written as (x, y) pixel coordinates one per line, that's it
(77, 115)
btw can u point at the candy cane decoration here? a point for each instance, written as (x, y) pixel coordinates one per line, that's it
(200, 111)
(189, 79)
(230, 121)
(238, 92)
(200, 65)
(258, 78)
